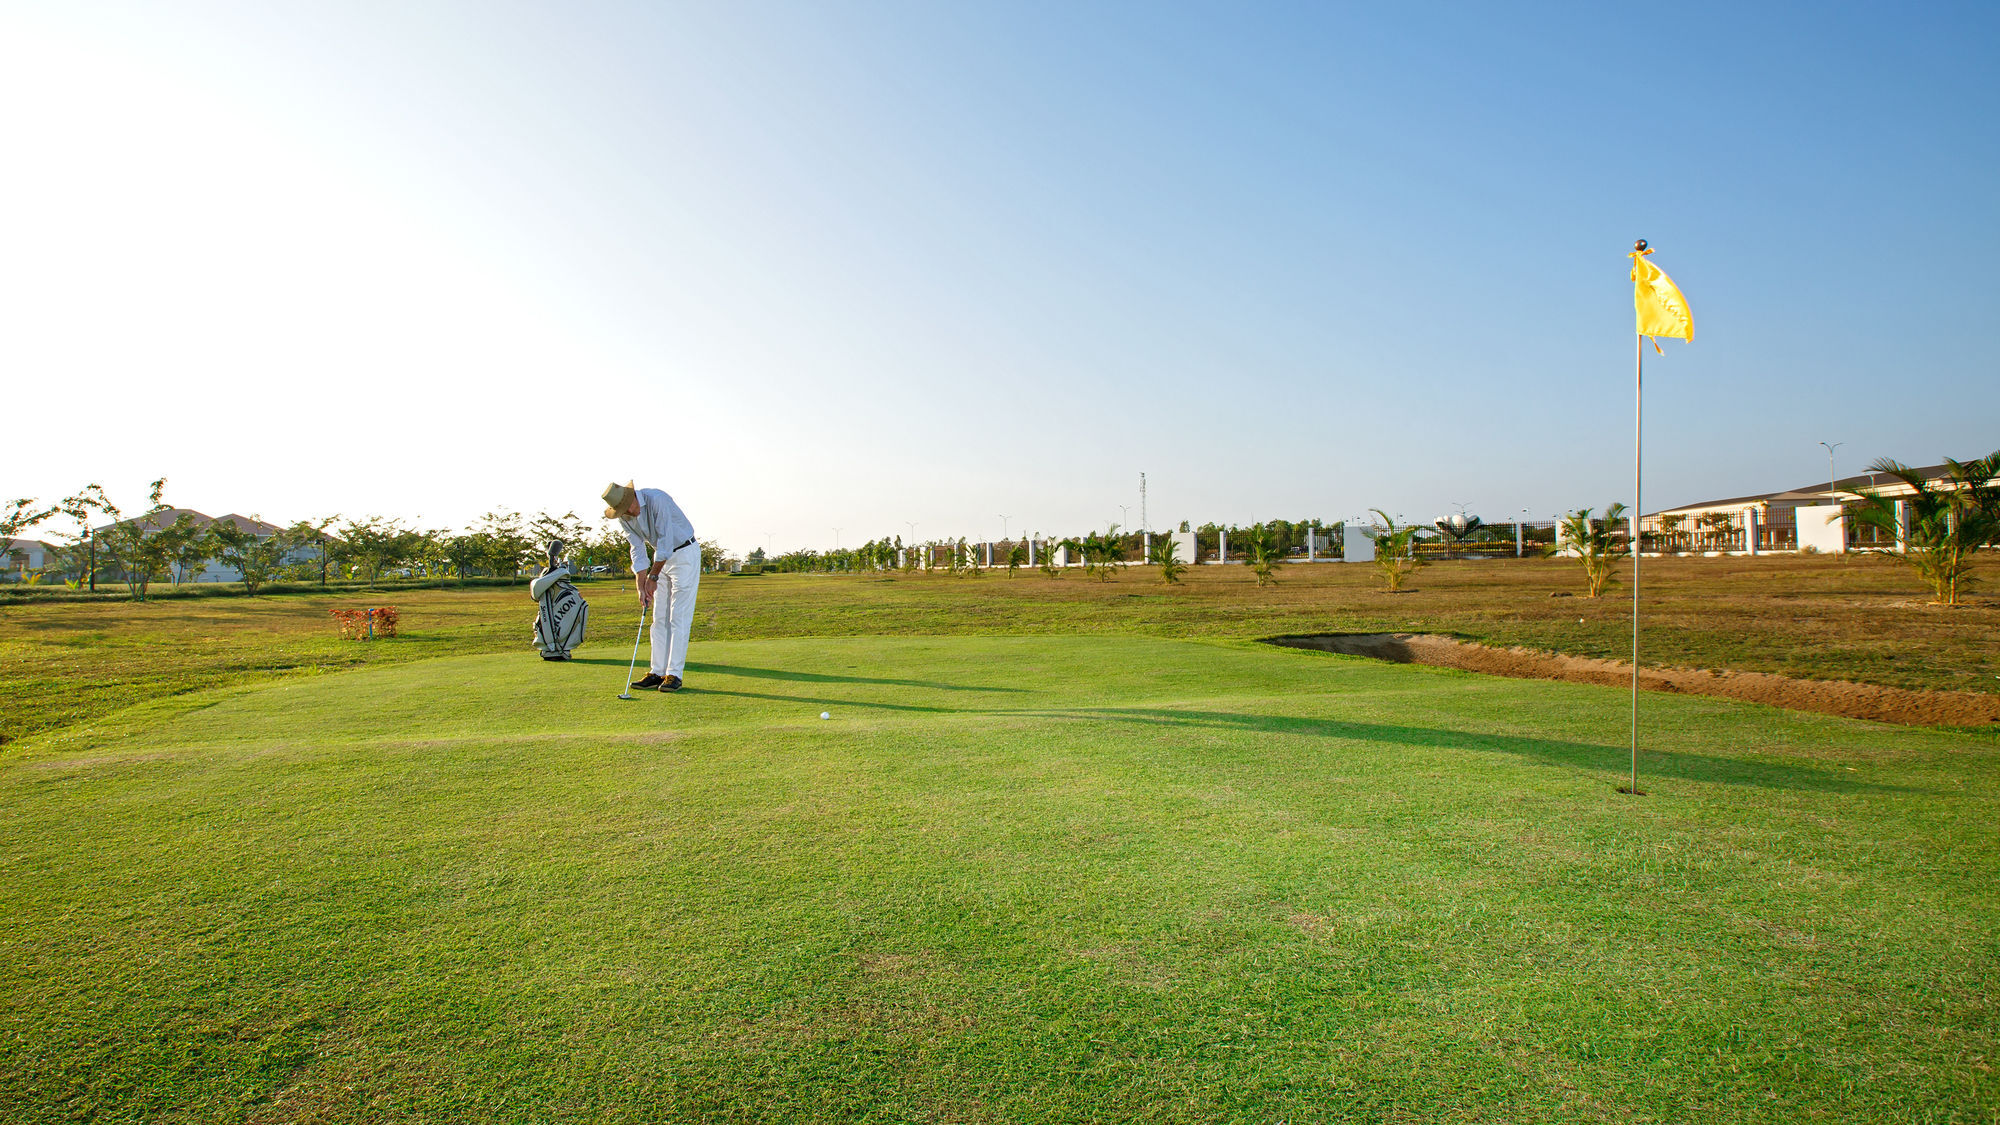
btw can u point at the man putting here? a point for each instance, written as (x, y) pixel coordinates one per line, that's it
(662, 546)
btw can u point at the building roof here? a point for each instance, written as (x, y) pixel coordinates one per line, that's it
(7, 545)
(251, 524)
(1806, 493)
(166, 517)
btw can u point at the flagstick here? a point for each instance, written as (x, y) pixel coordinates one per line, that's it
(1638, 506)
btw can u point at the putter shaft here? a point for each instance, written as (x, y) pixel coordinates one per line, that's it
(627, 693)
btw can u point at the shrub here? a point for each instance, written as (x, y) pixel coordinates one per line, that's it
(1395, 551)
(1166, 556)
(1263, 551)
(1948, 521)
(1597, 544)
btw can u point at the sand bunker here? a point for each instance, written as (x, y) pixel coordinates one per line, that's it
(1832, 697)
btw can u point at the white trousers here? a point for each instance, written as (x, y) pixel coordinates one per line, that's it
(673, 611)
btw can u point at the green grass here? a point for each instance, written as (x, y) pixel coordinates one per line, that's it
(1030, 878)
(1859, 618)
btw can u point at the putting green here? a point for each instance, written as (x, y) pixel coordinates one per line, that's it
(1010, 879)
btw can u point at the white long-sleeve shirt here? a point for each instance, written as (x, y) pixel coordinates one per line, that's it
(657, 530)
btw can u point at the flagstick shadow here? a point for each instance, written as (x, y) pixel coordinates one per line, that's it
(1670, 764)
(819, 702)
(830, 678)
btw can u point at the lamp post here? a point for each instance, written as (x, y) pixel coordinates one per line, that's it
(1830, 478)
(836, 539)
(1004, 517)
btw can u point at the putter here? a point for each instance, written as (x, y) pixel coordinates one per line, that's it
(627, 693)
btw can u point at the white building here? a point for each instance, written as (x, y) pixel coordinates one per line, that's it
(20, 556)
(1722, 524)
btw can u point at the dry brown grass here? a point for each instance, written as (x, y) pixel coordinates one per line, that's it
(1860, 618)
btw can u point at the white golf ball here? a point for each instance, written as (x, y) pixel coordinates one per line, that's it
(824, 715)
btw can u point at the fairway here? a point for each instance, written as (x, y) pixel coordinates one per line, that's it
(1032, 878)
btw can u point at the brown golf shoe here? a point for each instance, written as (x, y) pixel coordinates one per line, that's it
(671, 683)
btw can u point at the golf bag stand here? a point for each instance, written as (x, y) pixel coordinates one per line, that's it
(561, 612)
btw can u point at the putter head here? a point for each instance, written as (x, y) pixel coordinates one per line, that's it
(624, 695)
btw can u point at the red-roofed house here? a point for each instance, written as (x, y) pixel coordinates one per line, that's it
(215, 570)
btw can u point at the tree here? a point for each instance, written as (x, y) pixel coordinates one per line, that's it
(21, 515)
(461, 553)
(712, 555)
(507, 544)
(1166, 556)
(1263, 551)
(374, 545)
(1395, 551)
(431, 551)
(1597, 544)
(1017, 557)
(1948, 520)
(140, 558)
(81, 557)
(1101, 553)
(1670, 533)
(185, 546)
(255, 557)
(313, 538)
(1716, 529)
(566, 527)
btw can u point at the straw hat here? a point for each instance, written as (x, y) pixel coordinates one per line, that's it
(617, 496)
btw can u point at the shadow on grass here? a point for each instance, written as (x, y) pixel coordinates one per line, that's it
(827, 678)
(1667, 764)
(1582, 755)
(809, 678)
(832, 704)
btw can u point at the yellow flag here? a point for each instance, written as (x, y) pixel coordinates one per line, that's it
(1661, 308)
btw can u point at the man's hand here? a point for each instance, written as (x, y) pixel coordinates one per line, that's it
(648, 582)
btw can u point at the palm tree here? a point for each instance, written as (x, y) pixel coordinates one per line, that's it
(1948, 520)
(1264, 552)
(1395, 551)
(1166, 555)
(1597, 543)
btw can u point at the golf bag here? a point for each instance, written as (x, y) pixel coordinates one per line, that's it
(561, 612)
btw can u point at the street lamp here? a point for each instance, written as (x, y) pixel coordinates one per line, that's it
(1830, 478)
(836, 539)
(1004, 517)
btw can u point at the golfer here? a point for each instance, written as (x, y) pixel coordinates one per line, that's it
(664, 554)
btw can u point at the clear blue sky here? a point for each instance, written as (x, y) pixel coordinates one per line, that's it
(849, 265)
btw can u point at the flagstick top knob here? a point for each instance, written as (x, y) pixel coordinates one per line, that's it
(1640, 246)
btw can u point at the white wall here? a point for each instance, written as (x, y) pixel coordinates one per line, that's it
(1355, 545)
(1822, 527)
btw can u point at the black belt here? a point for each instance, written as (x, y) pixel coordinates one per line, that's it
(683, 543)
